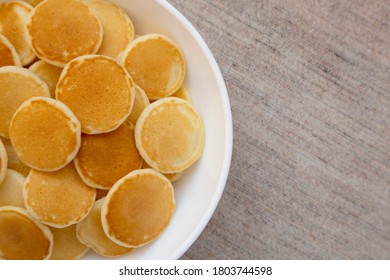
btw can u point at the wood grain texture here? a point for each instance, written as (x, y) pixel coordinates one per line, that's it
(309, 85)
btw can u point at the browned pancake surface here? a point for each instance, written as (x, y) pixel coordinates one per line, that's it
(105, 158)
(45, 134)
(98, 90)
(138, 208)
(58, 198)
(156, 64)
(169, 135)
(60, 30)
(22, 238)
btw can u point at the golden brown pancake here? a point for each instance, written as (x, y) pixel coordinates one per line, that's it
(13, 18)
(90, 232)
(105, 158)
(169, 135)
(3, 161)
(48, 73)
(183, 94)
(117, 27)
(17, 86)
(8, 54)
(45, 134)
(21, 237)
(33, 2)
(61, 30)
(13, 160)
(58, 199)
(141, 101)
(138, 208)
(173, 177)
(66, 246)
(11, 190)
(98, 90)
(156, 64)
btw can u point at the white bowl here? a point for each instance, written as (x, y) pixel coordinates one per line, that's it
(198, 192)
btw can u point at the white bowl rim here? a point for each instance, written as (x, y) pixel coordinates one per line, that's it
(228, 130)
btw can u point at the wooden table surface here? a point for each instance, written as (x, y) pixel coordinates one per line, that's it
(309, 85)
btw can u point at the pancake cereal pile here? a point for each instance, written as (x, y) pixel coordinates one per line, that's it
(95, 126)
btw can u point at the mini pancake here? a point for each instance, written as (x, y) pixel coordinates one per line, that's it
(8, 54)
(59, 137)
(17, 86)
(61, 30)
(105, 158)
(58, 199)
(98, 90)
(183, 94)
(90, 232)
(141, 101)
(156, 64)
(173, 177)
(11, 190)
(13, 160)
(169, 135)
(66, 246)
(13, 18)
(118, 28)
(48, 73)
(21, 237)
(138, 208)
(3, 161)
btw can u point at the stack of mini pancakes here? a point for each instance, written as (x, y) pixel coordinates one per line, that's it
(95, 125)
